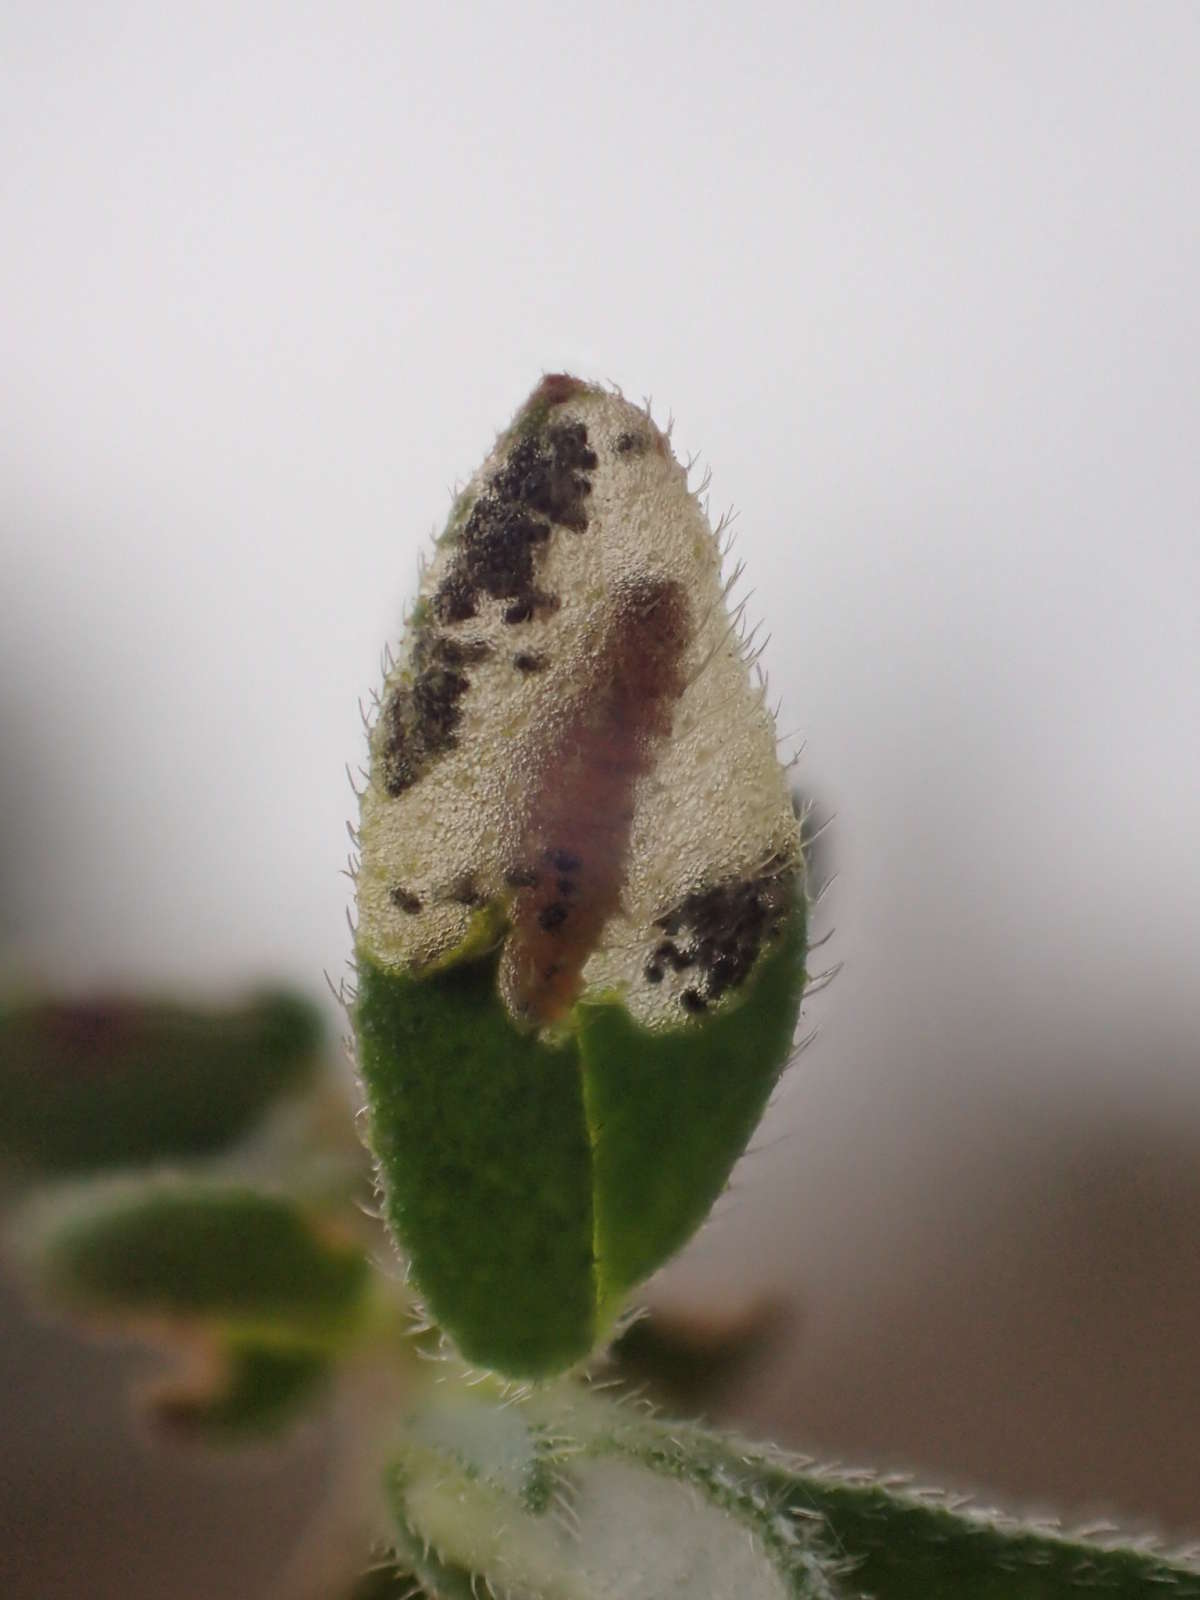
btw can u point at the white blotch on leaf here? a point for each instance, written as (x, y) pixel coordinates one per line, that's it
(693, 797)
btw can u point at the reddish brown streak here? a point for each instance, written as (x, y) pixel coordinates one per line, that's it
(578, 825)
(555, 389)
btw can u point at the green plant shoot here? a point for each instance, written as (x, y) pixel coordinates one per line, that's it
(581, 896)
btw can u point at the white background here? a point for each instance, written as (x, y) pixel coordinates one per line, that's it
(920, 281)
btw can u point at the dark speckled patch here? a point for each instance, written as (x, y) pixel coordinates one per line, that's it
(721, 931)
(420, 718)
(547, 473)
(543, 481)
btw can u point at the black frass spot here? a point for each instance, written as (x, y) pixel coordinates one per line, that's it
(419, 719)
(459, 652)
(456, 599)
(419, 722)
(404, 900)
(543, 481)
(528, 661)
(564, 860)
(546, 473)
(722, 930)
(552, 916)
(522, 877)
(679, 959)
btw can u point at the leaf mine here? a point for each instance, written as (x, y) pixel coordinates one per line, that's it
(581, 896)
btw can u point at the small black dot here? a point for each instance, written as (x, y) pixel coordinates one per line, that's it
(552, 916)
(521, 611)
(692, 1000)
(464, 892)
(404, 900)
(528, 661)
(668, 950)
(563, 860)
(454, 600)
(652, 973)
(459, 652)
(522, 877)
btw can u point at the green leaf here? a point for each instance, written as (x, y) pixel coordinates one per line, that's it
(749, 1523)
(669, 1113)
(256, 1390)
(889, 1543)
(483, 1150)
(184, 1251)
(535, 1183)
(104, 1083)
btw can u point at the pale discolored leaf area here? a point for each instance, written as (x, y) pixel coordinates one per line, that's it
(570, 1497)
